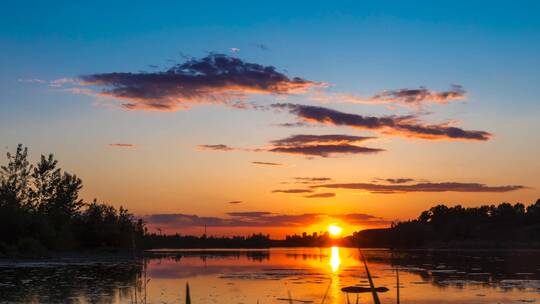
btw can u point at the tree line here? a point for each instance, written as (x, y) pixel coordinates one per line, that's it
(489, 226)
(40, 211)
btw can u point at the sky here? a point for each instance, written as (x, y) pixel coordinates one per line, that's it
(278, 117)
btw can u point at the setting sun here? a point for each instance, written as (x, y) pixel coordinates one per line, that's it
(334, 230)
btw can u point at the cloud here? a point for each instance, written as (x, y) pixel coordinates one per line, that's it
(325, 150)
(261, 46)
(303, 139)
(251, 214)
(395, 180)
(216, 78)
(403, 97)
(423, 187)
(57, 83)
(31, 80)
(418, 97)
(219, 147)
(235, 50)
(311, 180)
(256, 219)
(321, 195)
(266, 163)
(308, 145)
(321, 145)
(407, 126)
(234, 202)
(293, 124)
(293, 191)
(122, 145)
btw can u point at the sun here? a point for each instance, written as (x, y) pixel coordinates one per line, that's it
(334, 230)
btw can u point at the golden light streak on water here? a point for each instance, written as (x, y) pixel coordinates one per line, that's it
(335, 260)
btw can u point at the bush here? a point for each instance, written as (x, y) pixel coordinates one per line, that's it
(31, 248)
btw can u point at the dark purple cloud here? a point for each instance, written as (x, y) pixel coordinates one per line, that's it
(307, 145)
(418, 97)
(321, 145)
(395, 180)
(321, 195)
(306, 139)
(219, 147)
(407, 126)
(292, 191)
(216, 78)
(122, 145)
(325, 150)
(250, 214)
(266, 163)
(422, 187)
(311, 180)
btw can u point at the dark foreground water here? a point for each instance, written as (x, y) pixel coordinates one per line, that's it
(305, 275)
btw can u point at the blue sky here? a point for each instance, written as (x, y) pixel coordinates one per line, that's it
(359, 47)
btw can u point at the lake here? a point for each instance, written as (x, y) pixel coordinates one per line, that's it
(305, 275)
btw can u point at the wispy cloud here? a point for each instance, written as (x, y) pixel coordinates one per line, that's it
(401, 180)
(308, 139)
(311, 180)
(218, 147)
(307, 145)
(415, 98)
(31, 80)
(321, 195)
(407, 126)
(266, 163)
(122, 145)
(321, 145)
(261, 46)
(418, 97)
(216, 78)
(234, 202)
(325, 150)
(292, 191)
(422, 187)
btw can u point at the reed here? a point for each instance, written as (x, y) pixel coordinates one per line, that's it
(370, 279)
(188, 296)
(397, 285)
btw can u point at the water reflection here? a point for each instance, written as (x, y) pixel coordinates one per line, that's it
(335, 260)
(265, 276)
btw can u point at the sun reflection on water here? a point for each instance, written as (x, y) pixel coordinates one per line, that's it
(335, 260)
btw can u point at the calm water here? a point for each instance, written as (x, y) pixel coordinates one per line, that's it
(269, 276)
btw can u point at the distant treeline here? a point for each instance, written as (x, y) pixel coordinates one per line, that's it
(40, 211)
(259, 240)
(501, 226)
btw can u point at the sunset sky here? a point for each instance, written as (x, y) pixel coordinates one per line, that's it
(279, 117)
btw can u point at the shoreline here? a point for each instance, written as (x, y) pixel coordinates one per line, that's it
(127, 255)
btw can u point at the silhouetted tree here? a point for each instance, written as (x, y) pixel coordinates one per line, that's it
(40, 205)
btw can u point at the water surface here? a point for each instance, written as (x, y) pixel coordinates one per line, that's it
(306, 275)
